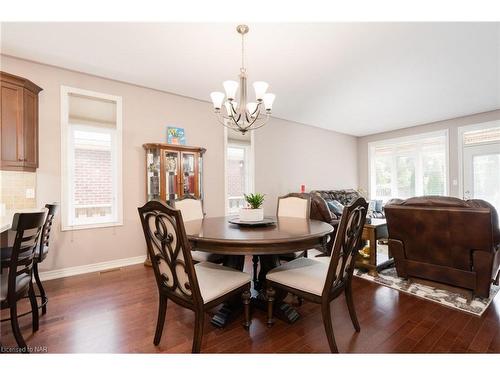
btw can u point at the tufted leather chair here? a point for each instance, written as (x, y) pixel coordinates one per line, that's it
(445, 239)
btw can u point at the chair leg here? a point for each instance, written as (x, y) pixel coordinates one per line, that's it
(255, 261)
(162, 310)
(327, 322)
(34, 307)
(245, 296)
(15, 327)
(198, 331)
(40, 288)
(270, 293)
(350, 306)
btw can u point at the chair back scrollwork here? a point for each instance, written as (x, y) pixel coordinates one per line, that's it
(170, 252)
(347, 243)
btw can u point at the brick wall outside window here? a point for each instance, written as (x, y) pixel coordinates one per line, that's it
(93, 181)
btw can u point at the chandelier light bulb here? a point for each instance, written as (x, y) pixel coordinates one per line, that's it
(230, 87)
(268, 101)
(217, 99)
(260, 88)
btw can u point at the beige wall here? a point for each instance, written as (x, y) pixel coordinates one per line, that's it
(452, 125)
(287, 154)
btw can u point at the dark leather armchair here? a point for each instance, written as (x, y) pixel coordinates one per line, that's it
(445, 239)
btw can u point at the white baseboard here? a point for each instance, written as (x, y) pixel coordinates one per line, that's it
(95, 267)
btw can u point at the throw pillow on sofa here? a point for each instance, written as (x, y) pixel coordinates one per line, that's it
(335, 206)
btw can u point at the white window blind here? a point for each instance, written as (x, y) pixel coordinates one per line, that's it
(407, 167)
(91, 159)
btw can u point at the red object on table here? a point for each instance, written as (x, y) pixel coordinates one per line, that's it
(302, 188)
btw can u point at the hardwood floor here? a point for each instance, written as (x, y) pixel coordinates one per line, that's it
(116, 312)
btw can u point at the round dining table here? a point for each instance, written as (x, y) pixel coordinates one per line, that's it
(287, 235)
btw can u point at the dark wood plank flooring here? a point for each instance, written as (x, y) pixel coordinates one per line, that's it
(116, 312)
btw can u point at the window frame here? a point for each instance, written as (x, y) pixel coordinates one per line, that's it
(66, 173)
(417, 157)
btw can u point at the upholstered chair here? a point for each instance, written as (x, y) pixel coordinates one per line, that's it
(446, 240)
(296, 205)
(16, 270)
(192, 209)
(199, 287)
(321, 280)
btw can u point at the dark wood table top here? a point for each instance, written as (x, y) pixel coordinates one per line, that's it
(217, 235)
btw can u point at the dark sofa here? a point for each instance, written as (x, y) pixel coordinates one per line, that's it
(445, 239)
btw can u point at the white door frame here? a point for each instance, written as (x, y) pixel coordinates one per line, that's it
(460, 137)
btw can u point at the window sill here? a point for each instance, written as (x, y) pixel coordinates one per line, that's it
(65, 228)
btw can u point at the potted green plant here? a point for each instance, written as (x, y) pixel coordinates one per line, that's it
(254, 211)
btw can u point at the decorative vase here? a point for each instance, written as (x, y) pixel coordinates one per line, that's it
(251, 214)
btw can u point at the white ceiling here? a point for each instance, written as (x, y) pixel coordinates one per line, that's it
(355, 78)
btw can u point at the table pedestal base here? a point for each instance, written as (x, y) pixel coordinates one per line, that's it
(232, 308)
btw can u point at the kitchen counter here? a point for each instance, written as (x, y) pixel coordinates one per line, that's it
(6, 219)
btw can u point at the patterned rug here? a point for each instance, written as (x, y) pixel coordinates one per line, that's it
(454, 300)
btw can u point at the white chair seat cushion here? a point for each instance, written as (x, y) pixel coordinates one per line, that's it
(216, 280)
(319, 256)
(304, 274)
(203, 256)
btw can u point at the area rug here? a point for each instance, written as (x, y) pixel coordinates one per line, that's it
(389, 278)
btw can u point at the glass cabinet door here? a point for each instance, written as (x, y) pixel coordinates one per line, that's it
(189, 177)
(153, 173)
(172, 176)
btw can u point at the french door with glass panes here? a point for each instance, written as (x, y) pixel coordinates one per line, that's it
(481, 165)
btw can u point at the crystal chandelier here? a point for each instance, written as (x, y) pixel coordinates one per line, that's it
(238, 114)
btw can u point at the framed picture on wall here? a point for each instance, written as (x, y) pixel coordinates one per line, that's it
(175, 136)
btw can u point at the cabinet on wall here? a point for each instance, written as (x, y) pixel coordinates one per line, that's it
(18, 123)
(173, 171)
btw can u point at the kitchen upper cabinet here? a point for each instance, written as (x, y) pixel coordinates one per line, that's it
(19, 123)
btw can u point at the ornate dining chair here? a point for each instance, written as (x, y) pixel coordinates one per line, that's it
(43, 251)
(294, 205)
(321, 281)
(16, 270)
(192, 209)
(198, 287)
(297, 205)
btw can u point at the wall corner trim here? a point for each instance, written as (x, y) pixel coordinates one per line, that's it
(88, 268)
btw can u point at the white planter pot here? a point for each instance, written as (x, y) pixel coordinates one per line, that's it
(250, 214)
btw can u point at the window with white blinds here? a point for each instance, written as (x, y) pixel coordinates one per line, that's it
(408, 167)
(91, 159)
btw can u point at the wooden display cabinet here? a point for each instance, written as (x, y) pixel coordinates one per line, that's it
(173, 172)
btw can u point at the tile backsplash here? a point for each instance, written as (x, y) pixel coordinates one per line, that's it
(18, 189)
